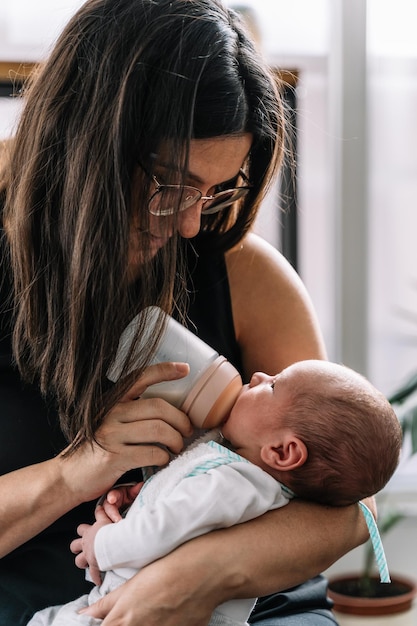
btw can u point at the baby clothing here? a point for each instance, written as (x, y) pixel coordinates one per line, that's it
(207, 487)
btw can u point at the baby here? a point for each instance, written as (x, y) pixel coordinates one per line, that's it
(317, 430)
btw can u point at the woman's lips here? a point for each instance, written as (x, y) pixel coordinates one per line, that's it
(158, 242)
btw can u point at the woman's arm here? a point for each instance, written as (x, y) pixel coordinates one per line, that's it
(34, 497)
(276, 551)
(275, 322)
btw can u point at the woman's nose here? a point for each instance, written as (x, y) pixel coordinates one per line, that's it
(258, 378)
(189, 221)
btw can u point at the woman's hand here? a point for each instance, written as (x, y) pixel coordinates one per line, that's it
(173, 591)
(135, 433)
(129, 605)
(131, 436)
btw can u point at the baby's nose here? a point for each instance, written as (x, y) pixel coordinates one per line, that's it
(258, 378)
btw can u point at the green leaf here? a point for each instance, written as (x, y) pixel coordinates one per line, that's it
(389, 520)
(409, 425)
(405, 391)
(413, 431)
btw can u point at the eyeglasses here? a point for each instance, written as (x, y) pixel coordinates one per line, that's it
(168, 199)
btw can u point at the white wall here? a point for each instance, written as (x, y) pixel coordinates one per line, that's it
(28, 29)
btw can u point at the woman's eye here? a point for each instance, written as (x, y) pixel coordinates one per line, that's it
(229, 184)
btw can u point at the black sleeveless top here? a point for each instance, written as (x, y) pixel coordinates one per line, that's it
(42, 571)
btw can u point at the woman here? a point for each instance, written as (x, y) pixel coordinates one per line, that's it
(145, 147)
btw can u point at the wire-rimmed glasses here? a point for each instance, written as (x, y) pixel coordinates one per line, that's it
(168, 199)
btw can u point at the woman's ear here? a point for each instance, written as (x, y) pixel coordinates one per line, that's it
(286, 455)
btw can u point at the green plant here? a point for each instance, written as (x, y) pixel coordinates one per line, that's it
(404, 401)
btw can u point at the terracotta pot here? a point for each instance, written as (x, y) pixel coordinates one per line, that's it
(392, 603)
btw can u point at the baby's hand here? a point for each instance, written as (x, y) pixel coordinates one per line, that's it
(84, 546)
(119, 499)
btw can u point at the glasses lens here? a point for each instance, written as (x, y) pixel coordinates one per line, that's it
(223, 199)
(169, 199)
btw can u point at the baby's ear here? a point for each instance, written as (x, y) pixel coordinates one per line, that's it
(289, 453)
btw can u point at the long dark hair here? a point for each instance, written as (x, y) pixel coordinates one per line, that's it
(124, 76)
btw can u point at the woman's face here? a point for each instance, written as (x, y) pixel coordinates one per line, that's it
(211, 163)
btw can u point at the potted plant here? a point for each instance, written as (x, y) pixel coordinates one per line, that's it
(361, 599)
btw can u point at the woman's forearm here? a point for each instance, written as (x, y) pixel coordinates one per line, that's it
(34, 497)
(283, 548)
(31, 499)
(288, 546)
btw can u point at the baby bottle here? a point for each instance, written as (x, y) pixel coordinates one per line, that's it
(207, 393)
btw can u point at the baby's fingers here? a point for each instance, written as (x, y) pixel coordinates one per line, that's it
(81, 561)
(95, 575)
(134, 490)
(82, 528)
(112, 511)
(76, 546)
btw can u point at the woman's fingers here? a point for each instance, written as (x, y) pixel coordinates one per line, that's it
(156, 374)
(114, 437)
(144, 422)
(104, 605)
(145, 599)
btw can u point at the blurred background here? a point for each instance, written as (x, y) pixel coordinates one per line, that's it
(354, 231)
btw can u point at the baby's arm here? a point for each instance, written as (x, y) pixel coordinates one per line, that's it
(108, 510)
(221, 497)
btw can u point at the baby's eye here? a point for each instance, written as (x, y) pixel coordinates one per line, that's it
(273, 384)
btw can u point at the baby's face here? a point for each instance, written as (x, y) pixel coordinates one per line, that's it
(263, 399)
(264, 403)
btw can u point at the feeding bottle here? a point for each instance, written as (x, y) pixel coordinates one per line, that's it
(207, 393)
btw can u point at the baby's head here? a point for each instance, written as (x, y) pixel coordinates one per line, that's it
(320, 428)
